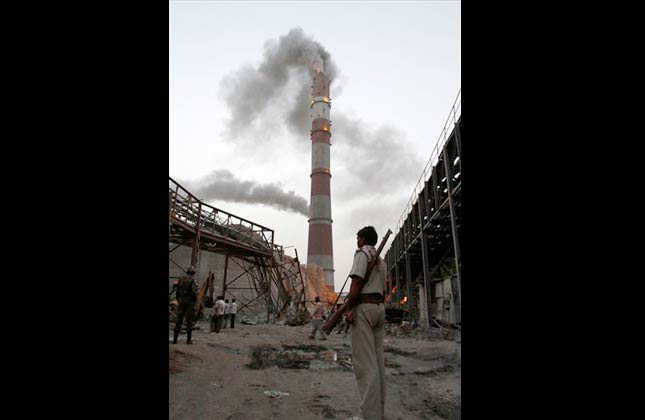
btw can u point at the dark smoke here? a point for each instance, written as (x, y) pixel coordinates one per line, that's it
(378, 158)
(223, 185)
(249, 91)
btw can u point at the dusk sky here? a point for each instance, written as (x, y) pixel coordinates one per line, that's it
(239, 115)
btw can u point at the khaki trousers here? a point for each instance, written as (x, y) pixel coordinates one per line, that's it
(317, 326)
(368, 330)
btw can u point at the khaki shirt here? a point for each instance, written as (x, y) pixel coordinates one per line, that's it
(376, 282)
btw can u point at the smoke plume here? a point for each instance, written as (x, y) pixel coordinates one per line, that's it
(249, 91)
(377, 157)
(223, 185)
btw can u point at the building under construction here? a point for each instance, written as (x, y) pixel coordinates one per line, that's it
(424, 258)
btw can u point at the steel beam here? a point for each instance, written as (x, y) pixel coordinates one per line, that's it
(453, 221)
(426, 277)
(225, 274)
(408, 282)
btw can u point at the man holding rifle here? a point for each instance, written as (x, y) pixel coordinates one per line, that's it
(366, 313)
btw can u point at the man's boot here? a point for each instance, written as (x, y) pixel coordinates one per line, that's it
(174, 339)
(188, 334)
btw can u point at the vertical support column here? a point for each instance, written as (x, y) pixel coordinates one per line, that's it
(453, 221)
(304, 289)
(426, 274)
(194, 256)
(408, 275)
(435, 191)
(398, 284)
(225, 275)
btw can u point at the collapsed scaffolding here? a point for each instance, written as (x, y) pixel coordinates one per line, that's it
(275, 287)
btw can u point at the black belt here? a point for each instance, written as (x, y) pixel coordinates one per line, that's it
(370, 298)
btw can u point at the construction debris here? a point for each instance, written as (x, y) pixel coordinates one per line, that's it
(294, 357)
(274, 394)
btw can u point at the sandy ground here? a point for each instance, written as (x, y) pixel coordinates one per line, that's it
(211, 379)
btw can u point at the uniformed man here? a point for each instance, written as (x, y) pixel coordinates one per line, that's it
(366, 314)
(186, 297)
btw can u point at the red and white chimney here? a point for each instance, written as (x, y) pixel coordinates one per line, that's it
(320, 248)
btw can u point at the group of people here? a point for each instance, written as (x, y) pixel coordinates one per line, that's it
(186, 292)
(222, 312)
(365, 314)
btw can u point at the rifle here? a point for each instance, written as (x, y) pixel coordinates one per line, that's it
(335, 317)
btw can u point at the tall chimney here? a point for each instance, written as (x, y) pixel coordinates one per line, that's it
(320, 249)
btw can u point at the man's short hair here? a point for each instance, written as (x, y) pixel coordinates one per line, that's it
(369, 234)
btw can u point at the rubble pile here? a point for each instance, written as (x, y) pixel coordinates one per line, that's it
(297, 316)
(316, 286)
(294, 357)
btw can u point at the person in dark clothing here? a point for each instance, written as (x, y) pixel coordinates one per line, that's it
(186, 297)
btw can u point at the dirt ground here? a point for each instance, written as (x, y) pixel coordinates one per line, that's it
(212, 379)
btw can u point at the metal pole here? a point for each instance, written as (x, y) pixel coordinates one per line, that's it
(426, 255)
(194, 256)
(398, 285)
(304, 293)
(225, 273)
(426, 278)
(408, 274)
(453, 221)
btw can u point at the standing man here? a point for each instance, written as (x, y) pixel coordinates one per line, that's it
(219, 313)
(318, 316)
(186, 295)
(366, 313)
(233, 311)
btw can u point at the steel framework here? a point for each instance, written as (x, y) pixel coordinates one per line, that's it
(243, 242)
(425, 250)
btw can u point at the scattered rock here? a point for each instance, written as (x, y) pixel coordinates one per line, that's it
(274, 394)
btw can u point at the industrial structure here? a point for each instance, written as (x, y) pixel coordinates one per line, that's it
(320, 245)
(267, 281)
(424, 258)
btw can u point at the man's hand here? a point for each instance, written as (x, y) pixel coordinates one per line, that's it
(349, 316)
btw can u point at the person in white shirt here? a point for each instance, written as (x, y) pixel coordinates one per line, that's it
(317, 319)
(218, 315)
(232, 312)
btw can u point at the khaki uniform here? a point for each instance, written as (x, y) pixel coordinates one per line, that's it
(186, 296)
(368, 331)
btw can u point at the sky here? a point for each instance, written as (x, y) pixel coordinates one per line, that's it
(239, 123)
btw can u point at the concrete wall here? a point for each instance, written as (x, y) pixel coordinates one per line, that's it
(444, 294)
(423, 311)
